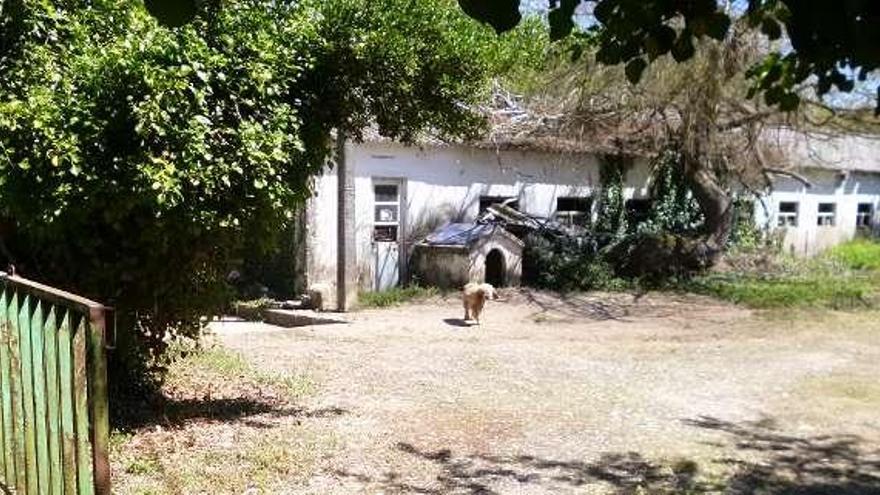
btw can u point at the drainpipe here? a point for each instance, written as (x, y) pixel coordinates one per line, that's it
(346, 279)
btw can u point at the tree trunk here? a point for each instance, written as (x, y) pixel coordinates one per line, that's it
(715, 203)
(699, 132)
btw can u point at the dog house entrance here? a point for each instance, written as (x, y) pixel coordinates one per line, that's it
(495, 269)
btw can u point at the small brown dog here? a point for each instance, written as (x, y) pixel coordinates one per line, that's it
(474, 296)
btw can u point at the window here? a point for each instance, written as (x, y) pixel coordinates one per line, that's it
(487, 201)
(865, 216)
(788, 214)
(637, 211)
(826, 214)
(386, 215)
(571, 211)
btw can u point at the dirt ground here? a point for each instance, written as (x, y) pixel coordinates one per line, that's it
(585, 394)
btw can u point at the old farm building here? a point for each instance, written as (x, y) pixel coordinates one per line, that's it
(398, 194)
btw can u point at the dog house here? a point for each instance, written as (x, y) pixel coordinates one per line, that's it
(458, 253)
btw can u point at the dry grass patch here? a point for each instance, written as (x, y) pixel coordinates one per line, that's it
(223, 426)
(849, 390)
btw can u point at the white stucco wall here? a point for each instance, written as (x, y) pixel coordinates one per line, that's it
(846, 190)
(443, 184)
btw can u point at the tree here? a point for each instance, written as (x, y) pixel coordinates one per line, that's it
(830, 43)
(688, 115)
(140, 162)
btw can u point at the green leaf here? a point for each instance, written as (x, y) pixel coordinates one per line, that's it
(717, 26)
(561, 19)
(577, 51)
(659, 41)
(789, 102)
(608, 55)
(771, 28)
(172, 13)
(502, 15)
(683, 49)
(634, 69)
(773, 95)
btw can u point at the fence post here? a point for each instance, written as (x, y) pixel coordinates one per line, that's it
(98, 397)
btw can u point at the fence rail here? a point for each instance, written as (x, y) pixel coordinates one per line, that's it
(54, 423)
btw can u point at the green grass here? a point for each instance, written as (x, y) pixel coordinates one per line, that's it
(810, 291)
(845, 277)
(397, 295)
(861, 254)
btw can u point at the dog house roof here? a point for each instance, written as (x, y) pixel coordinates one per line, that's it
(459, 234)
(463, 234)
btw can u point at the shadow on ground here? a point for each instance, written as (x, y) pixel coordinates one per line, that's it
(171, 413)
(456, 322)
(785, 464)
(577, 306)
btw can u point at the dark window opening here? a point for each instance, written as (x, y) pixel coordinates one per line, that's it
(788, 214)
(573, 211)
(637, 211)
(826, 216)
(487, 201)
(385, 193)
(385, 233)
(865, 216)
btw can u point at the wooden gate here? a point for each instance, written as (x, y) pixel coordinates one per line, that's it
(54, 425)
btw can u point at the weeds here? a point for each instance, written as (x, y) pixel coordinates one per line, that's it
(846, 277)
(227, 426)
(217, 367)
(861, 254)
(395, 296)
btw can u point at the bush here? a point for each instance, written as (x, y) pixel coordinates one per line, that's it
(861, 254)
(140, 165)
(567, 263)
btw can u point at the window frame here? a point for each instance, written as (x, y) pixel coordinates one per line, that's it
(569, 217)
(862, 215)
(788, 219)
(379, 225)
(826, 218)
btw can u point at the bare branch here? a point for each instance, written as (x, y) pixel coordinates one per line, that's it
(748, 119)
(789, 173)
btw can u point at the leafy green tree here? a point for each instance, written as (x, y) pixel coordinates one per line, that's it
(139, 162)
(833, 43)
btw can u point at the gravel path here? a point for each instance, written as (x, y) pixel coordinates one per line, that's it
(587, 394)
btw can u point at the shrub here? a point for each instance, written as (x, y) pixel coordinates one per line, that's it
(567, 263)
(141, 164)
(861, 254)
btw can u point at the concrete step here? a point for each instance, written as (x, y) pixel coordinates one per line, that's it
(300, 317)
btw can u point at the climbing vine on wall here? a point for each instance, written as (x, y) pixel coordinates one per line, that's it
(612, 210)
(674, 209)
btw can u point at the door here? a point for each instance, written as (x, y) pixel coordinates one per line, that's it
(386, 233)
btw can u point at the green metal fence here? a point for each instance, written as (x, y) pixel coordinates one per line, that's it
(54, 425)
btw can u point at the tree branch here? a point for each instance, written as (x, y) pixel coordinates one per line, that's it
(733, 124)
(789, 173)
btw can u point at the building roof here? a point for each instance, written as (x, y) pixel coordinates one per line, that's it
(852, 152)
